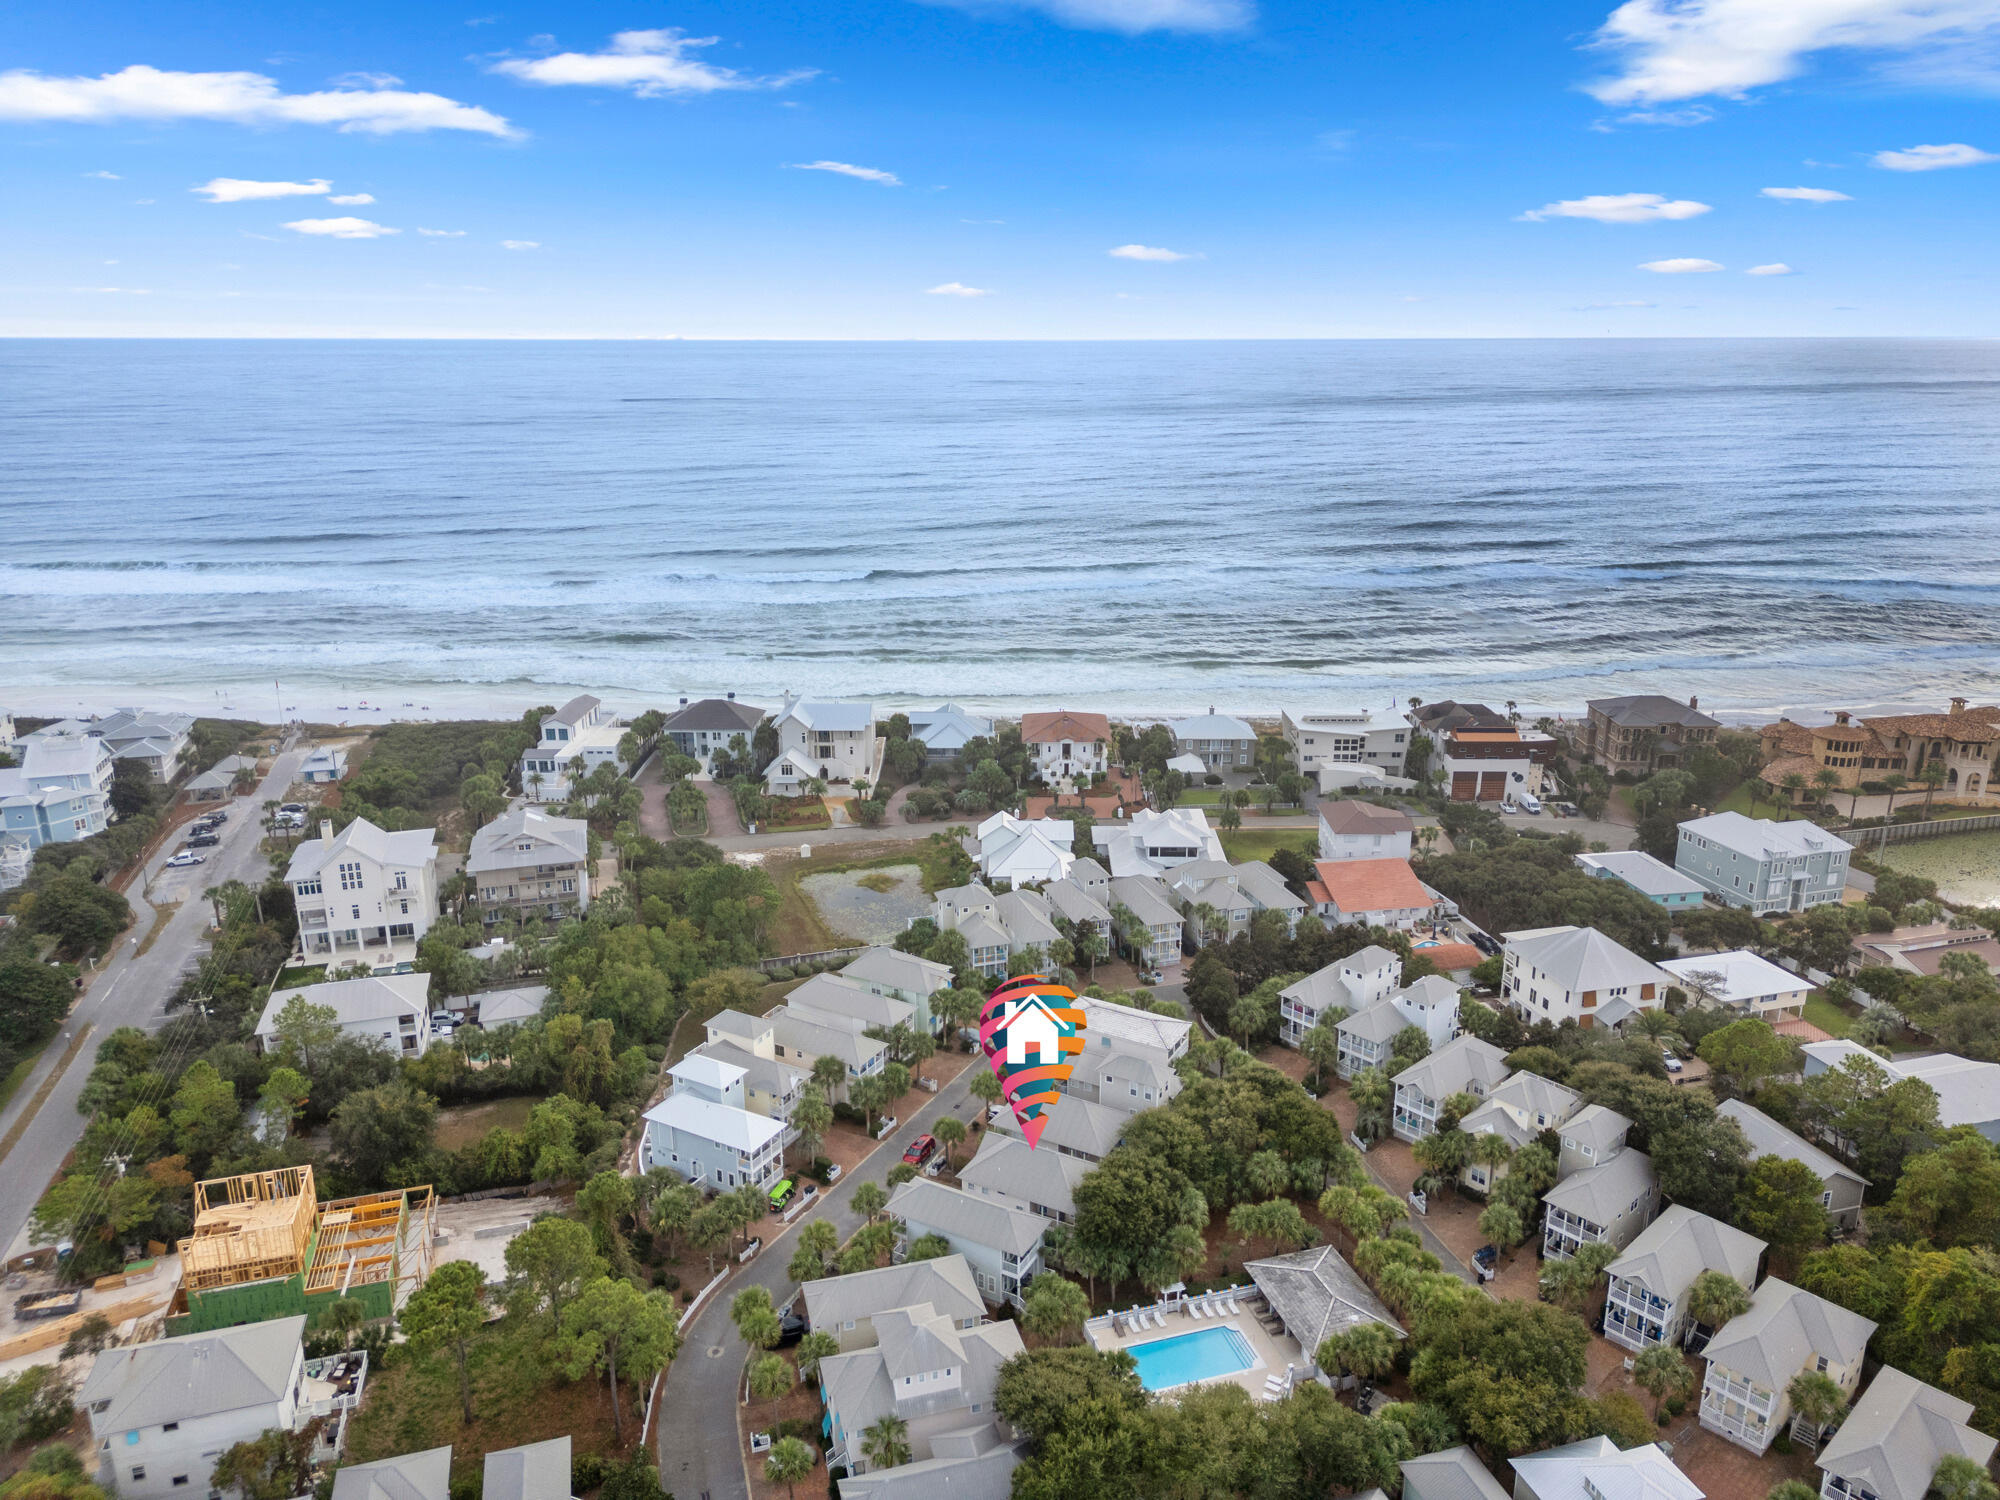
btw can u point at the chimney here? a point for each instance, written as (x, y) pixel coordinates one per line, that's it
(1958, 705)
(1693, 702)
(326, 829)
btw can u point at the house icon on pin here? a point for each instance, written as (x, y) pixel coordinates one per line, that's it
(1031, 1026)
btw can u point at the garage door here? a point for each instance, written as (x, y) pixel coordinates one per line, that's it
(1464, 785)
(1492, 786)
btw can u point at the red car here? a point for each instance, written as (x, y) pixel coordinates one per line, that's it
(920, 1150)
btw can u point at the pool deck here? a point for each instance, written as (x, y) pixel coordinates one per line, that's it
(1273, 1353)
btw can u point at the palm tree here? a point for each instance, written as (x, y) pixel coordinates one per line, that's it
(1655, 1024)
(1933, 775)
(1662, 1372)
(1204, 922)
(1491, 1151)
(887, 1443)
(789, 1461)
(1371, 1091)
(813, 1348)
(950, 1133)
(344, 1316)
(1816, 1399)
(1367, 1350)
(829, 1072)
(1895, 781)
(1794, 782)
(1826, 779)
(1715, 1298)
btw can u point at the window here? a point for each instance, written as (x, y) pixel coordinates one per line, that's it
(179, 1480)
(138, 1470)
(170, 1427)
(306, 887)
(350, 876)
(402, 880)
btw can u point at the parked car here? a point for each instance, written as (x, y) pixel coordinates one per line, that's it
(791, 1328)
(443, 1023)
(1673, 1063)
(1510, 807)
(293, 809)
(183, 859)
(919, 1151)
(1485, 943)
(204, 841)
(220, 815)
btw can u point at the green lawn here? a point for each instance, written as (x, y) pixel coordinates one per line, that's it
(1827, 1016)
(1242, 844)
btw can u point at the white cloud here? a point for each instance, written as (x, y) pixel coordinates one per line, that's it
(243, 190)
(520, 244)
(1806, 195)
(1775, 268)
(351, 200)
(143, 93)
(1148, 252)
(124, 291)
(1135, 16)
(1693, 114)
(958, 289)
(366, 80)
(106, 176)
(443, 234)
(1680, 265)
(1619, 208)
(647, 62)
(1685, 49)
(348, 228)
(1930, 158)
(848, 169)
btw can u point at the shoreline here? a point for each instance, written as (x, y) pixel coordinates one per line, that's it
(269, 703)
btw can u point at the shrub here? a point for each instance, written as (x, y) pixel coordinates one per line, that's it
(820, 1169)
(1211, 779)
(463, 1487)
(587, 1471)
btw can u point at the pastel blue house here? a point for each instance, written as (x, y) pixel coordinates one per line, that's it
(1658, 883)
(328, 763)
(60, 793)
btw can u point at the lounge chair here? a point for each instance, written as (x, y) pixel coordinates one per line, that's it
(1201, 1308)
(1151, 1318)
(1230, 1305)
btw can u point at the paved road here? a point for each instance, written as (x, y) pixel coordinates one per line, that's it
(698, 1447)
(130, 990)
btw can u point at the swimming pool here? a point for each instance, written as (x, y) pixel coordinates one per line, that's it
(1186, 1357)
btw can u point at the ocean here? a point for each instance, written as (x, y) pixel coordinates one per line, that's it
(1143, 528)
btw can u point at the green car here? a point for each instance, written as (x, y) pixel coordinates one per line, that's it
(781, 1195)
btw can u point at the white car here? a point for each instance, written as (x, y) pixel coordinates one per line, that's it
(183, 859)
(1673, 1063)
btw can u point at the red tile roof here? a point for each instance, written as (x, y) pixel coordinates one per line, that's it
(1360, 885)
(1039, 729)
(1452, 957)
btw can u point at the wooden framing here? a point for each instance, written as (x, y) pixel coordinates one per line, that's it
(375, 1237)
(249, 1228)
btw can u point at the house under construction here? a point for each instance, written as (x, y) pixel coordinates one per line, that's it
(264, 1247)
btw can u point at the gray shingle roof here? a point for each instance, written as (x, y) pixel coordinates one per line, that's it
(1458, 1062)
(1599, 1194)
(1455, 1474)
(493, 845)
(1011, 1168)
(409, 1476)
(1785, 1328)
(1317, 1294)
(899, 970)
(1768, 1138)
(533, 1471)
(355, 1002)
(960, 1215)
(1651, 711)
(1682, 1243)
(1897, 1432)
(725, 715)
(945, 1283)
(196, 1375)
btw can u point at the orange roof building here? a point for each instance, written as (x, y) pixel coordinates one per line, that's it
(1863, 750)
(1379, 892)
(1067, 745)
(1064, 724)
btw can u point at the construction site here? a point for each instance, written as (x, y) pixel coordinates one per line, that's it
(264, 1246)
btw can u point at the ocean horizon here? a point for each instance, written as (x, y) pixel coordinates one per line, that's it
(1776, 526)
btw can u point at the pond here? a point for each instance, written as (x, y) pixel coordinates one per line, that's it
(869, 906)
(1966, 866)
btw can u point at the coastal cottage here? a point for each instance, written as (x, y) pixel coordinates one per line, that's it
(1349, 984)
(1595, 1468)
(904, 976)
(1570, 973)
(1024, 1177)
(1892, 1442)
(390, 1011)
(1762, 866)
(701, 728)
(1464, 1066)
(576, 739)
(945, 731)
(771, 1087)
(1608, 1203)
(1841, 1187)
(831, 742)
(59, 794)
(364, 895)
(1367, 1038)
(1753, 1358)
(530, 863)
(1968, 1092)
(1518, 1111)
(1646, 1301)
(1660, 884)
(326, 764)
(1024, 852)
(1155, 937)
(1153, 843)
(1373, 892)
(705, 1132)
(1065, 744)
(845, 1306)
(1002, 1245)
(1741, 982)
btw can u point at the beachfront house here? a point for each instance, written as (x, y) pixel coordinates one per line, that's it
(945, 731)
(60, 793)
(1362, 830)
(699, 729)
(1320, 738)
(1741, 982)
(1646, 1300)
(528, 863)
(1644, 732)
(1559, 974)
(1346, 986)
(1464, 1066)
(162, 1412)
(1372, 892)
(1002, 1245)
(1841, 1187)
(390, 1011)
(1892, 1442)
(364, 895)
(705, 1131)
(1221, 742)
(1660, 884)
(576, 739)
(1858, 752)
(1762, 866)
(1608, 1204)
(1755, 1355)
(157, 741)
(832, 742)
(1064, 744)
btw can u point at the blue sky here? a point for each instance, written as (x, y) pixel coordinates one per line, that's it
(1056, 169)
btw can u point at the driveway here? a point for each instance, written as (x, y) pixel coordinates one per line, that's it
(699, 1450)
(131, 989)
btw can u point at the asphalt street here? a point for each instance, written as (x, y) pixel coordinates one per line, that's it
(131, 989)
(699, 1452)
